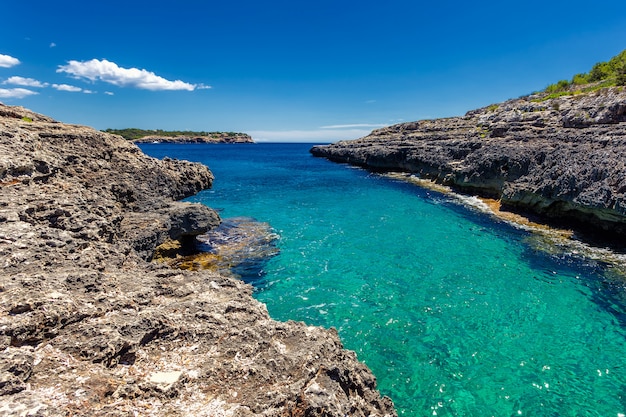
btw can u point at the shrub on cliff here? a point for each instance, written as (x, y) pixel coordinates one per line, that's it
(621, 75)
(612, 72)
(560, 86)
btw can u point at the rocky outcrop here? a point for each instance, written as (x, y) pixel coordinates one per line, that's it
(88, 326)
(561, 158)
(239, 246)
(212, 138)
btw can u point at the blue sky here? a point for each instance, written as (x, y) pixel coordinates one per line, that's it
(291, 70)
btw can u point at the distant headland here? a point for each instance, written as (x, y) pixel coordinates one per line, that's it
(176, 136)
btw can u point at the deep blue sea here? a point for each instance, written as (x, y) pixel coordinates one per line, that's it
(456, 312)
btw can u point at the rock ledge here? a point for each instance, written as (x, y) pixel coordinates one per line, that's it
(88, 326)
(562, 158)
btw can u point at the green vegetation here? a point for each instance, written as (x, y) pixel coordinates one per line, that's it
(603, 74)
(27, 119)
(134, 133)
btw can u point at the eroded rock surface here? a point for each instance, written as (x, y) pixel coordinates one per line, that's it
(561, 158)
(239, 247)
(88, 326)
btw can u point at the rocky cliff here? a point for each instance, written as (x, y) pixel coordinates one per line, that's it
(88, 326)
(561, 158)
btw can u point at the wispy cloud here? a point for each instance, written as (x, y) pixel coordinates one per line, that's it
(26, 82)
(111, 73)
(354, 125)
(108, 93)
(7, 61)
(67, 87)
(16, 92)
(52, 45)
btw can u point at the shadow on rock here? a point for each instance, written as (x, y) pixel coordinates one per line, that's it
(240, 246)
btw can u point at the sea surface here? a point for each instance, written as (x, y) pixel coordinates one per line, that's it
(456, 312)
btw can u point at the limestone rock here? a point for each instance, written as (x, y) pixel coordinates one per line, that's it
(561, 158)
(16, 366)
(90, 327)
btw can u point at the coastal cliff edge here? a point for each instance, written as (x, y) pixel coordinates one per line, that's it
(89, 326)
(560, 158)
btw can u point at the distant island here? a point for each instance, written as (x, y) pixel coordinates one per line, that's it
(178, 136)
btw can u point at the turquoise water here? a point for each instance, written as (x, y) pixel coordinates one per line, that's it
(456, 313)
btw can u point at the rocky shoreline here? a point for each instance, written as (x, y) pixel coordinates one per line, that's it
(214, 138)
(89, 326)
(561, 159)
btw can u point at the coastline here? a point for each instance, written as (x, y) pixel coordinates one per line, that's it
(238, 138)
(88, 319)
(561, 159)
(485, 204)
(374, 252)
(546, 238)
(164, 136)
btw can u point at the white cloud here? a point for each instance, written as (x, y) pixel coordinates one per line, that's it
(89, 92)
(66, 87)
(7, 61)
(52, 45)
(26, 82)
(16, 92)
(108, 93)
(355, 125)
(308, 136)
(111, 73)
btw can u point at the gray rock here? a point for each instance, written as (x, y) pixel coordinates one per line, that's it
(16, 366)
(88, 326)
(560, 158)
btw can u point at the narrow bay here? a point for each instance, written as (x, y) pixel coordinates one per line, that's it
(456, 312)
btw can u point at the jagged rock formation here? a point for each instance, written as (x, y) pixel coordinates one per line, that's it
(88, 326)
(239, 246)
(562, 158)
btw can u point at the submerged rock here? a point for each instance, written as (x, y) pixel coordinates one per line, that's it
(239, 246)
(561, 158)
(88, 326)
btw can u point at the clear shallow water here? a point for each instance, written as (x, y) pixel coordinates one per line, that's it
(456, 313)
